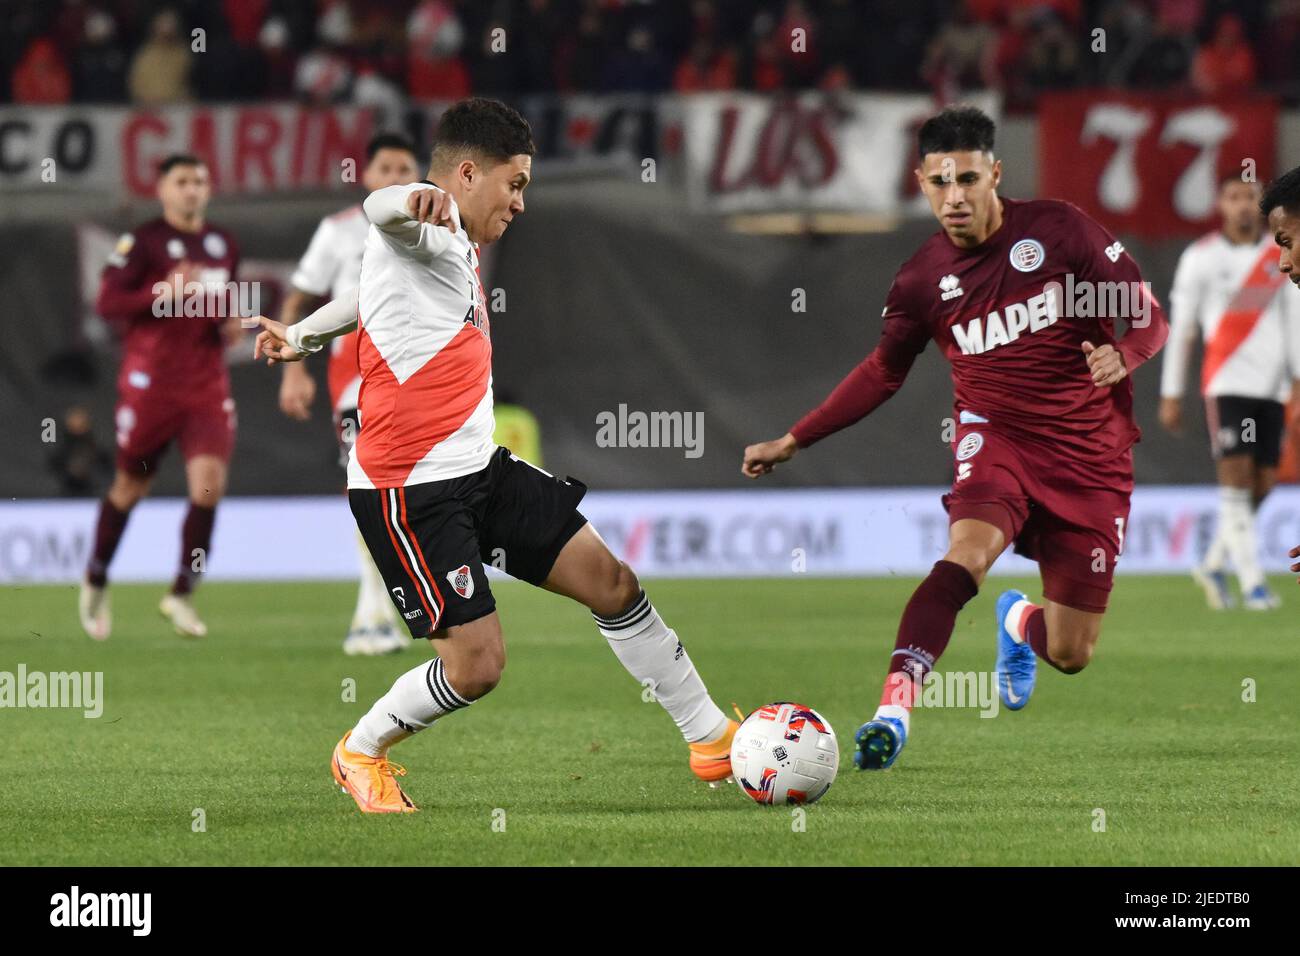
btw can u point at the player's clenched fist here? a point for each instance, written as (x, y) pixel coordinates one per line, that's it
(272, 342)
(766, 455)
(431, 205)
(1105, 363)
(1295, 553)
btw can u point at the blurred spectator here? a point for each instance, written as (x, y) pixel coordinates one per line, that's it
(1225, 64)
(1162, 58)
(99, 62)
(705, 68)
(961, 56)
(639, 67)
(435, 70)
(160, 71)
(78, 462)
(41, 76)
(377, 51)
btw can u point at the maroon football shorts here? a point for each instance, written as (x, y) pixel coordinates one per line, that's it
(147, 425)
(1058, 513)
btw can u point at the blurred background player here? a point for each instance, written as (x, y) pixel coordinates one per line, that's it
(330, 267)
(1044, 406)
(1229, 289)
(172, 384)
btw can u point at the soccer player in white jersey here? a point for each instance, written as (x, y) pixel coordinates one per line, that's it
(330, 268)
(434, 497)
(1228, 288)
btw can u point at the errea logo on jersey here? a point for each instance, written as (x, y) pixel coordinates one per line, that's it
(949, 287)
(982, 334)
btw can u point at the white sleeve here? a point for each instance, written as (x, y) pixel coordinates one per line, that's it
(1184, 325)
(334, 318)
(386, 209)
(318, 265)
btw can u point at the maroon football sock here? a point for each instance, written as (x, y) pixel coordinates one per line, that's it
(1033, 625)
(196, 536)
(926, 627)
(108, 532)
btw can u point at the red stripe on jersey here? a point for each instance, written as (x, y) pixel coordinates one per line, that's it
(344, 366)
(403, 422)
(410, 536)
(1242, 315)
(401, 556)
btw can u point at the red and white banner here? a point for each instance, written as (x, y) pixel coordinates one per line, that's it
(249, 149)
(816, 151)
(1147, 164)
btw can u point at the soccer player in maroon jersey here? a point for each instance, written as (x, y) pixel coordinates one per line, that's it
(172, 384)
(1281, 207)
(1021, 298)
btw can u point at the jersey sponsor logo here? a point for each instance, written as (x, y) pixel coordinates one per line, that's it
(461, 581)
(969, 446)
(949, 287)
(1027, 255)
(997, 329)
(214, 245)
(400, 594)
(1114, 251)
(175, 248)
(963, 470)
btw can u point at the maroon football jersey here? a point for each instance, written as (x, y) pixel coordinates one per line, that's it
(175, 355)
(1010, 315)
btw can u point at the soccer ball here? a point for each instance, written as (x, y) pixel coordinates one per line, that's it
(785, 753)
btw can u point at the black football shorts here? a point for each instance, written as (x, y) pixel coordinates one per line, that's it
(431, 540)
(1246, 426)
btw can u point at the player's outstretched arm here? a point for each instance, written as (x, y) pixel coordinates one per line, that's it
(280, 343)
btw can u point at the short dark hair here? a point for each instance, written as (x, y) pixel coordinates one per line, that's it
(956, 129)
(486, 127)
(1283, 191)
(177, 159)
(388, 141)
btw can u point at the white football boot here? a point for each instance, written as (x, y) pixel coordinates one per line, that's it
(96, 614)
(178, 609)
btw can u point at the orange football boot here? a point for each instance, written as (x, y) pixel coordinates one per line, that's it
(370, 781)
(711, 762)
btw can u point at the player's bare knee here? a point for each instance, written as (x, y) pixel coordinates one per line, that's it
(476, 675)
(127, 490)
(620, 589)
(1073, 659)
(973, 558)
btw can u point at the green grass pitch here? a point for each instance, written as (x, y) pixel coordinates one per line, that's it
(240, 725)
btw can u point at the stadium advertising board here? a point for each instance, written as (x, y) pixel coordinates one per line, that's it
(1148, 164)
(769, 533)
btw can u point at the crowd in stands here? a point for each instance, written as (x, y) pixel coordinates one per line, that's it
(173, 51)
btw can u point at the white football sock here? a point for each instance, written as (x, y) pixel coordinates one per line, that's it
(374, 606)
(1216, 554)
(898, 712)
(650, 651)
(416, 700)
(1237, 525)
(1015, 617)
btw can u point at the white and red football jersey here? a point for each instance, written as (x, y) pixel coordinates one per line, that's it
(1247, 314)
(330, 267)
(425, 351)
